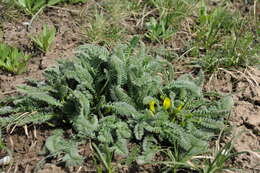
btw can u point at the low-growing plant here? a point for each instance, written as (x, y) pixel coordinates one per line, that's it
(45, 39)
(239, 51)
(223, 40)
(108, 24)
(214, 24)
(213, 162)
(218, 163)
(12, 59)
(170, 14)
(33, 6)
(159, 30)
(102, 30)
(119, 97)
(176, 160)
(117, 10)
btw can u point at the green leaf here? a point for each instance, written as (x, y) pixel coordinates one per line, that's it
(39, 95)
(55, 144)
(122, 108)
(5, 110)
(85, 125)
(72, 157)
(139, 131)
(120, 147)
(185, 84)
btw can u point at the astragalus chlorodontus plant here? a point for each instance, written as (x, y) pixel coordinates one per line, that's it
(116, 98)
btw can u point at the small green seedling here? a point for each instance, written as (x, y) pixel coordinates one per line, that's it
(187, 160)
(104, 157)
(12, 59)
(221, 157)
(44, 40)
(102, 31)
(170, 15)
(31, 7)
(158, 30)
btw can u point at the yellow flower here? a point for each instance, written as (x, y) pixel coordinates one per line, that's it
(180, 107)
(166, 103)
(151, 106)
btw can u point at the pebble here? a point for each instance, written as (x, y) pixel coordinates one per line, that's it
(5, 160)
